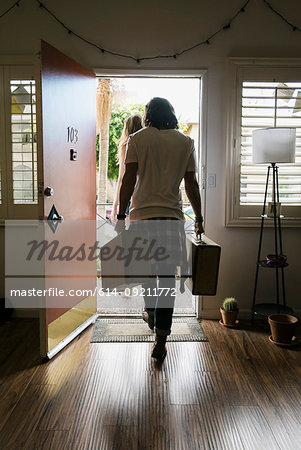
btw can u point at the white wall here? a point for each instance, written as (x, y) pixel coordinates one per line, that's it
(146, 28)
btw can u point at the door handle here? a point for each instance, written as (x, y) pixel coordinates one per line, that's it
(49, 191)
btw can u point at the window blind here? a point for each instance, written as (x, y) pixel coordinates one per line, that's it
(24, 145)
(269, 104)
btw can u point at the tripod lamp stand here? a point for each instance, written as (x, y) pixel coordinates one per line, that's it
(272, 146)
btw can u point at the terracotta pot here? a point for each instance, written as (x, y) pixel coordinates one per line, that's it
(229, 317)
(282, 327)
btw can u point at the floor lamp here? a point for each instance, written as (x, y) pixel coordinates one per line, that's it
(272, 146)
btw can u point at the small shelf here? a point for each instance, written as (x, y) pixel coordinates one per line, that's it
(264, 263)
(266, 309)
(265, 216)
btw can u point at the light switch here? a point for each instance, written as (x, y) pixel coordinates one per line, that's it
(212, 180)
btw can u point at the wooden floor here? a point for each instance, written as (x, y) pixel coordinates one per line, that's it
(237, 391)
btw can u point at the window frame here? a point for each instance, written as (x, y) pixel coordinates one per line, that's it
(250, 69)
(3, 204)
(9, 210)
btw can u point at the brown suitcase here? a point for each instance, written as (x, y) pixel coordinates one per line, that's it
(204, 256)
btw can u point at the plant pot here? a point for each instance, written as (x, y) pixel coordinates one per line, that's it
(282, 327)
(229, 317)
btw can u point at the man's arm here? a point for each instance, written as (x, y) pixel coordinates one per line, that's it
(127, 186)
(193, 193)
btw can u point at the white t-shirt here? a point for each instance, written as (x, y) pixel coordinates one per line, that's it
(163, 157)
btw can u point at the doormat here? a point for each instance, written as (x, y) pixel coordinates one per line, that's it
(136, 330)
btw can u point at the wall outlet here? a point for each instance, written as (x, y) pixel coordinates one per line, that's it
(211, 180)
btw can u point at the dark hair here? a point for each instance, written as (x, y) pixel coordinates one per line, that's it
(159, 113)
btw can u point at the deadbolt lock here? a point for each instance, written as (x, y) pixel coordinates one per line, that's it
(49, 191)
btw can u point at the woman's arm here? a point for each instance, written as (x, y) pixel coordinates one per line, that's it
(117, 194)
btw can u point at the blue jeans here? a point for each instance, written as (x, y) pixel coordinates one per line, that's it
(159, 302)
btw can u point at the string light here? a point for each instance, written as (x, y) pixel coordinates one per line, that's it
(206, 41)
(15, 5)
(294, 27)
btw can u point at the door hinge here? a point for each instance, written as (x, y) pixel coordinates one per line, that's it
(41, 188)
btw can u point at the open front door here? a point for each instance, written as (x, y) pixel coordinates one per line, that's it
(66, 116)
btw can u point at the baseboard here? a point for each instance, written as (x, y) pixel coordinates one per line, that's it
(214, 314)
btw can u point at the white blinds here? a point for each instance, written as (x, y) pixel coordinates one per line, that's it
(268, 104)
(23, 138)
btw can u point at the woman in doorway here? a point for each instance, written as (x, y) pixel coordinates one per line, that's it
(131, 125)
(158, 157)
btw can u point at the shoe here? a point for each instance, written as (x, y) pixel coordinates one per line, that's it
(150, 320)
(159, 350)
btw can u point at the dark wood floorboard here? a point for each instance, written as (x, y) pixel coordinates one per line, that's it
(47, 440)
(236, 392)
(253, 428)
(281, 408)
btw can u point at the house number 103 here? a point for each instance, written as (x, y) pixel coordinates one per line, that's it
(72, 135)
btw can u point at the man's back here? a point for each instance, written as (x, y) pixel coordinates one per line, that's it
(163, 157)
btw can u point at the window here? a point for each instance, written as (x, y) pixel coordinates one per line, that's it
(266, 96)
(24, 142)
(18, 156)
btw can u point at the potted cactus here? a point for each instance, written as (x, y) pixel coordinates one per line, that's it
(229, 312)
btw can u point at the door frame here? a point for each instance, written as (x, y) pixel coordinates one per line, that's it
(30, 60)
(202, 74)
(26, 62)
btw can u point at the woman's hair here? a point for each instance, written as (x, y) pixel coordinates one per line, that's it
(159, 113)
(131, 125)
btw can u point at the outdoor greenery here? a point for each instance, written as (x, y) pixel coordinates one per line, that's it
(119, 114)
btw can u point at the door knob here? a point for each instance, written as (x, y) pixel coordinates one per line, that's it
(49, 191)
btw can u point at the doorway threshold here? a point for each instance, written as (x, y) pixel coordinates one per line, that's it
(138, 316)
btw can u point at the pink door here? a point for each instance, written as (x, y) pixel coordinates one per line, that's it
(66, 113)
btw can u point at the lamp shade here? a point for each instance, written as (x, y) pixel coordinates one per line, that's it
(274, 145)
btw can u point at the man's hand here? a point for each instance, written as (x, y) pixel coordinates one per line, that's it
(120, 226)
(198, 228)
